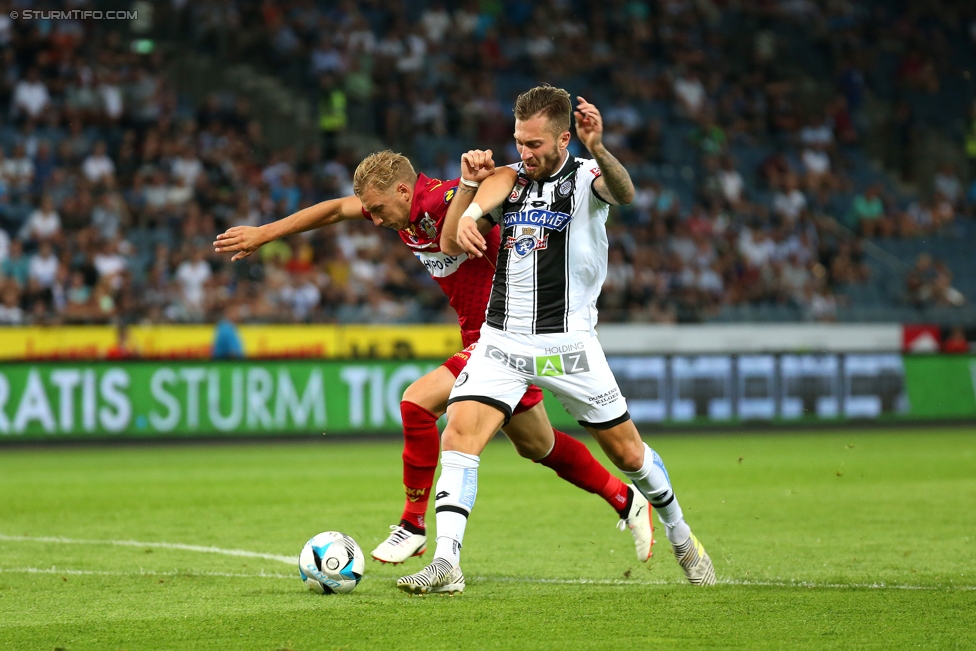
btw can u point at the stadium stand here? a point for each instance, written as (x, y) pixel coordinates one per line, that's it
(795, 159)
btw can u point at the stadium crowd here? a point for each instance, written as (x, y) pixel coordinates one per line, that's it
(113, 186)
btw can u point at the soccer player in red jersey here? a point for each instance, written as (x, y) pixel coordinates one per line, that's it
(391, 194)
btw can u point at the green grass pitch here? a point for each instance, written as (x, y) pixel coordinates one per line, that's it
(861, 539)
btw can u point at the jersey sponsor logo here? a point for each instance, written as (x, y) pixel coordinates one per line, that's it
(595, 172)
(449, 195)
(543, 365)
(538, 217)
(466, 353)
(565, 348)
(604, 399)
(439, 265)
(428, 226)
(564, 364)
(521, 363)
(575, 362)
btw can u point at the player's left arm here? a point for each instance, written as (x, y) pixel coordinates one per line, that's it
(614, 184)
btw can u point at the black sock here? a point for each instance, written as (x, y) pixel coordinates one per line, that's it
(622, 512)
(412, 528)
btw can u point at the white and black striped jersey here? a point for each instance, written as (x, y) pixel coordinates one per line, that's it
(552, 260)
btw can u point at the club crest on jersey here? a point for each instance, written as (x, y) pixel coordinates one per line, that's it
(527, 240)
(528, 229)
(428, 226)
(564, 188)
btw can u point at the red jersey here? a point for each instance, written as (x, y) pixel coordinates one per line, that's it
(467, 283)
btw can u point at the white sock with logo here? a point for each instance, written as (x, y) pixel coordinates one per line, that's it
(454, 498)
(652, 480)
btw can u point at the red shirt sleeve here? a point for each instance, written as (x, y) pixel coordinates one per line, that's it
(437, 198)
(366, 214)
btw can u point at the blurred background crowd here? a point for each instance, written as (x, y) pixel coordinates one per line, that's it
(794, 159)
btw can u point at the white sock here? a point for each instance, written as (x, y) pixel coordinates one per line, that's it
(454, 498)
(652, 480)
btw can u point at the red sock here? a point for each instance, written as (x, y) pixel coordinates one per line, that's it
(421, 445)
(574, 462)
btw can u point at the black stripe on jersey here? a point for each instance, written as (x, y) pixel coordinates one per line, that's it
(498, 301)
(552, 262)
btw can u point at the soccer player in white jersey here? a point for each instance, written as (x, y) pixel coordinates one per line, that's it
(540, 323)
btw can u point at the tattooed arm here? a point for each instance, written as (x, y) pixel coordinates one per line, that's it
(614, 184)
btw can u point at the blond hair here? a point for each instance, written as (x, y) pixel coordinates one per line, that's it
(549, 101)
(381, 171)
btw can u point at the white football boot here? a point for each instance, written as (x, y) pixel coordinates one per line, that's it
(399, 546)
(641, 525)
(437, 578)
(695, 562)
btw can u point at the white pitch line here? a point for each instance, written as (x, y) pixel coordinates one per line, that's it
(774, 583)
(70, 572)
(291, 560)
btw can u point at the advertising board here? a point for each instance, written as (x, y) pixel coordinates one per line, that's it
(50, 400)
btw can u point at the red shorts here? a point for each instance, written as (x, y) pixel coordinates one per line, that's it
(456, 363)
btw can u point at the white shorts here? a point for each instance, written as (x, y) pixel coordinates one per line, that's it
(571, 365)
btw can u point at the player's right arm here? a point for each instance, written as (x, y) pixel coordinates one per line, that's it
(472, 225)
(477, 166)
(245, 240)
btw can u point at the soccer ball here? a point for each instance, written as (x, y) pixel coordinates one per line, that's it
(331, 562)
